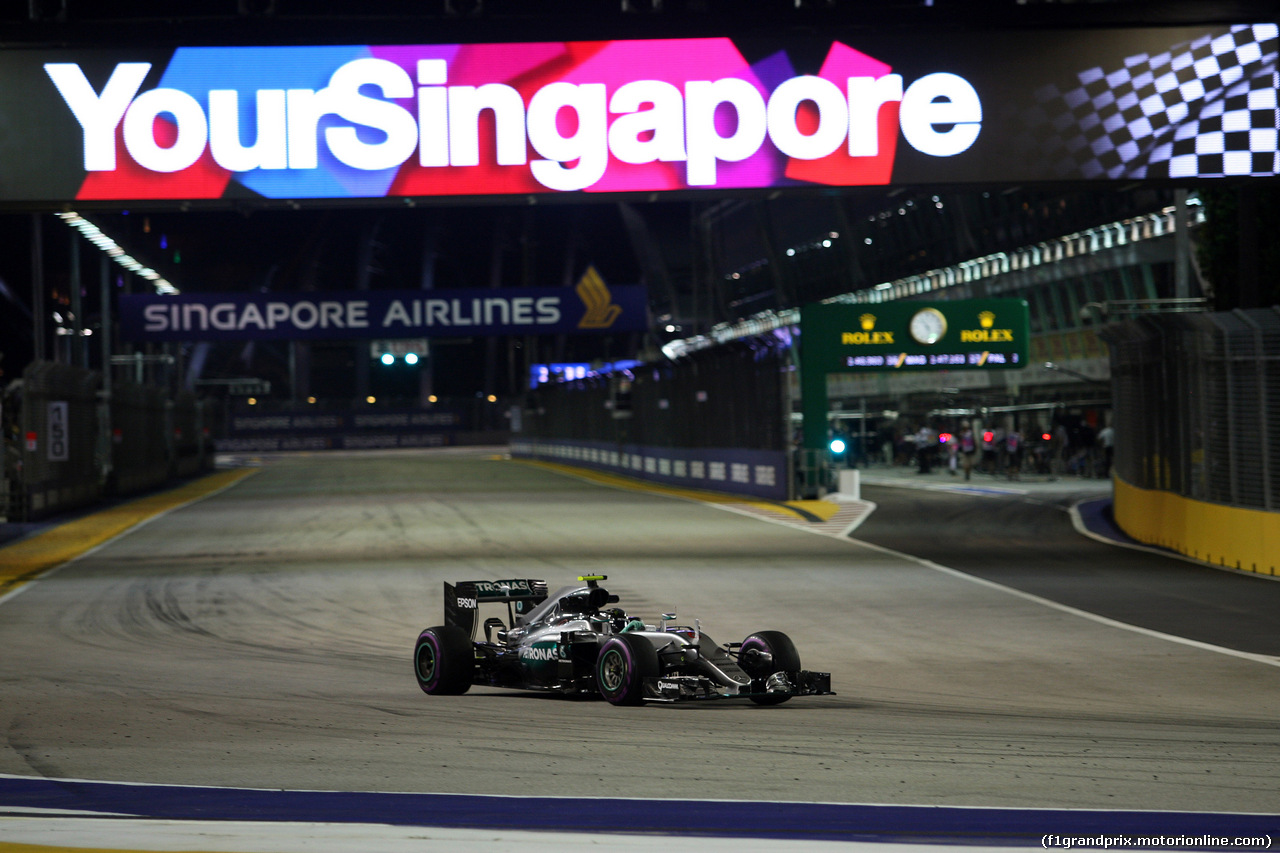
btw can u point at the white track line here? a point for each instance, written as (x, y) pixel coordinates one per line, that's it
(929, 564)
(13, 593)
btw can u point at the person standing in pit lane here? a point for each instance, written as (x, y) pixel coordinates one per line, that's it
(1013, 452)
(968, 449)
(925, 440)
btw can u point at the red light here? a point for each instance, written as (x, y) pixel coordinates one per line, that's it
(1045, 436)
(988, 436)
(943, 438)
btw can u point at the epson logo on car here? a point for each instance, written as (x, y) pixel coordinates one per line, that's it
(468, 603)
(639, 122)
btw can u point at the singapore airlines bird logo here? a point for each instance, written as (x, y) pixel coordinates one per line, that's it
(595, 295)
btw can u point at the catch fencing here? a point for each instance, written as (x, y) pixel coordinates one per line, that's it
(54, 431)
(716, 418)
(1197, 405)
(68, 445)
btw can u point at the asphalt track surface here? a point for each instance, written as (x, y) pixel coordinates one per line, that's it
(261, 639)
(1021, 541)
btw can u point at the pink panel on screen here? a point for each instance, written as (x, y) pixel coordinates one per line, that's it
(839, 169)
(676, 61)
(205, 179)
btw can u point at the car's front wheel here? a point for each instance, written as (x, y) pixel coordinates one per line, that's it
(444, 661)
(623, 664)
(764, 653)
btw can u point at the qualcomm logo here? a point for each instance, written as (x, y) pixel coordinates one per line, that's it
(386, 117)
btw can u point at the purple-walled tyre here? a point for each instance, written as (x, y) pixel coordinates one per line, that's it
(622, 665)
(781, 657)
(443, 661)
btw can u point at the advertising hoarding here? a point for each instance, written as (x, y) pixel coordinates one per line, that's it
(383, 314)
(963, 334)
(532, 119)
(761, 473)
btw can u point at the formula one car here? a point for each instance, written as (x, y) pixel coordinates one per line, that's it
(575, 642)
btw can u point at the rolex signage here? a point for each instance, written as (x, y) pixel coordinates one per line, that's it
(969, 334)
(867, 333)
(962, 334)
(986, 334)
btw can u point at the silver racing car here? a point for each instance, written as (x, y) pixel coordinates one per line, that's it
(577, 642)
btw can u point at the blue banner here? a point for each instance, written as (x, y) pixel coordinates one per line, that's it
(591, 307)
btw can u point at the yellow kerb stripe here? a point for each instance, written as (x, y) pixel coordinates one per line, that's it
(6, 847)
(26, 559)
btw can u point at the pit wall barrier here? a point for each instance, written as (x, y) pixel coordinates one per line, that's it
(1196, 413)
(754, 473)
(1231, 537)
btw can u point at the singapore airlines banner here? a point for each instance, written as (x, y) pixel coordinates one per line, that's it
(379, 314)
(365, 122)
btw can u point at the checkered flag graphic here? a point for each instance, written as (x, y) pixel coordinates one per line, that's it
(1204, 108)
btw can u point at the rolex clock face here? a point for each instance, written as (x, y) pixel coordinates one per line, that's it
(928, 325)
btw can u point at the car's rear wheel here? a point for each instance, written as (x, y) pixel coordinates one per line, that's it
(444, 661)
(622, 665)
(764, 653)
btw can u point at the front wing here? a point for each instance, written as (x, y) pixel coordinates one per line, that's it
(683, 688)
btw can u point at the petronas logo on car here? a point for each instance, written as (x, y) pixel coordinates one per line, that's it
(540, 653)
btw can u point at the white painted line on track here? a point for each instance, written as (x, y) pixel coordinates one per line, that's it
(848, 519)
(1064, 608)
(1077, 521)
(13, 593)
(810, 527)
(1074, 611)
(262, 837)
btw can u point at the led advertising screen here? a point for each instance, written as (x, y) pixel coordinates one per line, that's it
(534, 119)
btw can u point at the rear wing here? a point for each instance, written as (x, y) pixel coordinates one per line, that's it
(462, 601)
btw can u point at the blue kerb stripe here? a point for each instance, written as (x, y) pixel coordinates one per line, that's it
(726, 819)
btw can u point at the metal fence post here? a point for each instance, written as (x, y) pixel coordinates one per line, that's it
(1228, 369)
(38, 306)
(1264, 443)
